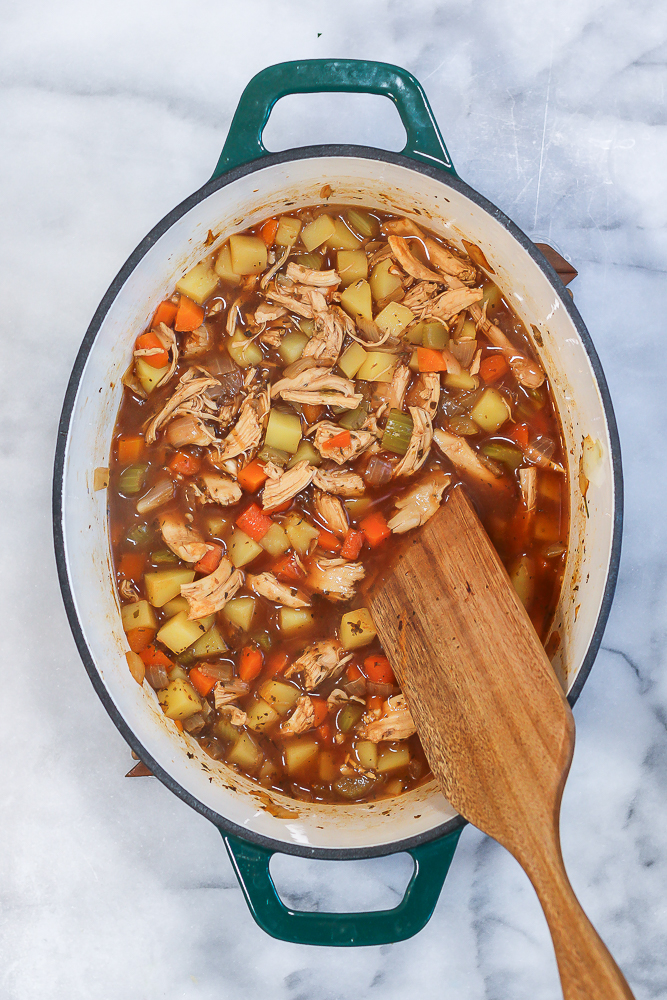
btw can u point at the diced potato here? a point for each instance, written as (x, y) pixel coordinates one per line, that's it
(356, 629)
(291, 346)
(357, 301)
(382, 283)
(394, 787)
(546, 528)
(328, 769)
(299, 753)
(394, 318)
(249, 254)
(435, 336)
(351, 360)
(549, 484)
(176, 672)
(179, 633)
(217, 524)
(294, 620)
(343, 238)
(179, 700)
(269, 773)
(491, 411)
(275, 541)
(358, 506)
(352, 265)
(225, 730)
(206, 622)
(223, 267)
(243, 351)
(366, 224)
(492, 295)
(367, 754)
(281, 696)
(318, 232)
(306, 452)
(210, 644)
(392, 757)
(461, 381)
(165, 584)
(242, 548)
(147, 375)
(260, 715)
(468, 331)
(177, 604)
(377, 367)
(522, 576)
(245, 753)
(300, 533)
(415, 334)
(138, 615)
(240, 612)
(200, 282)
(288, 231)
(283, 430)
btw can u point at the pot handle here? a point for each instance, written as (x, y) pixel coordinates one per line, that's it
(244, 140)
(251, 864)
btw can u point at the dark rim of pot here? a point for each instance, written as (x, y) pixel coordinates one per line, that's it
(310, 152)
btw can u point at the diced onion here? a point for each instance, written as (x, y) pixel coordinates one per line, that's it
(157, 676)
(194, 723)
(379, 690)
(221, 671)
(186, 430)
(378, 471)
(156, 496)
(356, 688)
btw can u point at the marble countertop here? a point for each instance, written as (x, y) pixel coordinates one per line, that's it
(111, 113)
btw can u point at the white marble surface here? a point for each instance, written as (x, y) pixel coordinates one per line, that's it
(110, 114)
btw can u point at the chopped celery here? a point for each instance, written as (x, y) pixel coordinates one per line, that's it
(366, 225)
(132, 478)
(352, 420)
(506, 453)
(312, 260)
(462, 380)
(140, 535)
(283, 431)
(397, 433)
(275, 455)
(348, 716)
(263, 640)
(306, 452)
(435, 335)
(463, 426)
(186, 658)
(357, 506)
(468, 331)
(164, 556)
(537, 397)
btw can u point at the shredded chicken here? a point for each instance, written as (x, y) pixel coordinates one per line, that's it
(397, 386)
(332, 513)
(327, 340)
(308, 276)
(302, 718)
(184, 540)
(418, 296)
(290, 302)
(359, 441)
(340, 482)
(401, 252)
(395, 724)
(237, 716)
(335, 578)
(318, 386)
(463, 457)
(189, 389)
(528, 484)
(220, 489)
(209, 595)
(447, 262)
(266, 585)
(265, 313)
(128, 592)
(419, 446)
(246, 435)
(319, 662)
(282, 486)
(420, 504)
(450, 303)
(268, 275)
(425, 392)
(225, 693)
(197, 342)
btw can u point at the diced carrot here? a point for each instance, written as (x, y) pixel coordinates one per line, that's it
(189, 316)
(430, 360)
(139, 638)
(287, 568)
(493, 368)
(154, 657)
(250, 663)
(328, 541)
(252, 476)
(519, 433)
(130, 448)
(375, 529)
(342, 440)
(352, 544)
(320, 708)
(276, 663)
(378, 669)
(374, 702)
(539, 422)
(131, 565)
(165, 313)
(268, 231)
(326, 733)
(151, 341)
(352, 672)
(202, 683)
(184, 463)
(178, 724)
(312, 412)
(254, 522)
(210, 562)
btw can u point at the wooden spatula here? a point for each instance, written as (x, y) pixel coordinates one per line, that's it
(493, 720)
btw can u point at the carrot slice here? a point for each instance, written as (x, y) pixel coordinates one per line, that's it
(202, 683)
(130, 448)
(328, 541)
(375, 529)
(139, 638)
(374, 702)
(131, 565)
(430, 360)
(154, 657)
(352, 672)
(254, 522)
(312, 412)
(287, 568)
(342, 440)
(184, 463)
(352, 544)
(252, 476)
(165, 313)
(210, 562)
(151, 342)
(276, 663)
(493, 368)
(189, 316)
(520, 433)
(268, 231)
(326, 733)
(250, 663)
(321, 710)
(378, 669)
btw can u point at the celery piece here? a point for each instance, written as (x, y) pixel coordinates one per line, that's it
(463, 426)
(312, 260)
(366, 225)
(348, 716)
(185, 659)
(352, 420)
(537, 397)
(283, 431)
(263, 640)
(140, 535)
(506, 453)
(306, 452)
(162, 556)
(275, 455)
(469, 330)
(132, 479)
(291, 346)
(462, 380)
(357, 506)
(397, 432)
(435, 335)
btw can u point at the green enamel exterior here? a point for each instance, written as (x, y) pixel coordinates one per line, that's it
(432, 861)
(244, 140)
(243, 146)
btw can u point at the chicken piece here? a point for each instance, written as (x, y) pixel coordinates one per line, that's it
(227, 692)
(319, 662)
(190, 387)
(395, 724)
(340, 482)
(266, 585)
(337, 698)
(266, 313)
(237, 716)
(463, 456)
(419, 446)
(318, 386)
(291, 303)
(417, 296)
(359, 441)
(302, 718)
(335, 578)
(332, 513)
(447, 263)
(246, 435)
(451, 302)
(425, 392)
(528, 484)
(220, 489)
(128, 592)
(400, 251)
(182, 539)
(420, 504)
(402, 227)
(268, 275)
(197, 342)
(272, 337)
(308, 276)
(327, 340)
(397, 386)
(209, 595)
(282, 486)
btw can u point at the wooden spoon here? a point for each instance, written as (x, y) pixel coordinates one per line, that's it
(493, 720)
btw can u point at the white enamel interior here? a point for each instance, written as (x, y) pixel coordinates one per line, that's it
(265, 192)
